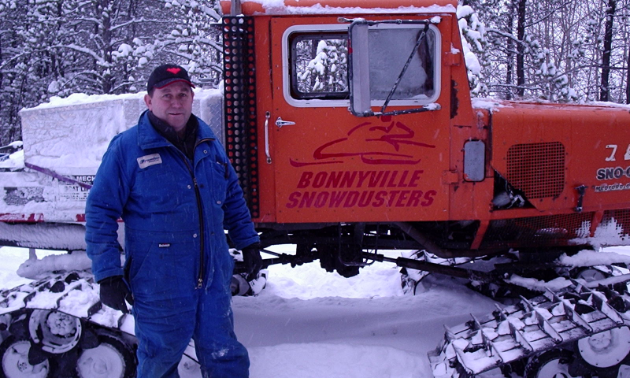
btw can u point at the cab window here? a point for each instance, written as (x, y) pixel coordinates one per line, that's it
(319, 65)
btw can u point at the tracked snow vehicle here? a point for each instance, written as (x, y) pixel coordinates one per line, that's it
(351, 127)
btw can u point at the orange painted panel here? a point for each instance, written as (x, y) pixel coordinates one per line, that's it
(331, 166)
(470, 200)
(254, 7)
(592, 142)
(362, 171)
(264, 88)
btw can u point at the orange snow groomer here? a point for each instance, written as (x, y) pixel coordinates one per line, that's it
(352, 127)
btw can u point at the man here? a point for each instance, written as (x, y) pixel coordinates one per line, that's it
(171, 182)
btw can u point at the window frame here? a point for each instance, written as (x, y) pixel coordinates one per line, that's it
(287, 68)
(293, 75)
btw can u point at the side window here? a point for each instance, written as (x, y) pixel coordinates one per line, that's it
(389, 50)
(319, 65)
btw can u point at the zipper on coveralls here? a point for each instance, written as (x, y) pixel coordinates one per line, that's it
(201, 229)
(200, 212)
(201, 232)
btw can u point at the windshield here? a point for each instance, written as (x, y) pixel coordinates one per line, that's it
(389, 50)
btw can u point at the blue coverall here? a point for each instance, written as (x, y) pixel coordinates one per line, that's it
(177, 264)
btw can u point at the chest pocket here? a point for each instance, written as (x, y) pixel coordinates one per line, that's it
(219, 179)
(212, 170)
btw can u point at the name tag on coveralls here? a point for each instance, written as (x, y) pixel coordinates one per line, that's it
(149, 160)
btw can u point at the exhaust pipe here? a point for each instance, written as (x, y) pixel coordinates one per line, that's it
(235, 8)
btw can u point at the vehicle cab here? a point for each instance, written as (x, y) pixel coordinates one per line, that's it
(347, 107)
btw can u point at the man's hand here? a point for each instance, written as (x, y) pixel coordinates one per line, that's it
(114, 291)
(252, 260)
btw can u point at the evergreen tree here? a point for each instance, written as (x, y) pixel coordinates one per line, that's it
(59, 47)
(323, 65)
(473, 42)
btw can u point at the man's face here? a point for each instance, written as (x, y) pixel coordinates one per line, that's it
(172, 104)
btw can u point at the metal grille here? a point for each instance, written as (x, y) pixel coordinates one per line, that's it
(240, 105)
(621, 219)
(537, 169)
(537, 231)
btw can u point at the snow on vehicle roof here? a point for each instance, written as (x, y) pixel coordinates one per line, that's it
(495, 104)
(285, 7)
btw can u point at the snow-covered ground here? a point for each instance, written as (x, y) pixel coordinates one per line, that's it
(310, 323)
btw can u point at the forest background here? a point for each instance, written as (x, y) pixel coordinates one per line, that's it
(542, 50)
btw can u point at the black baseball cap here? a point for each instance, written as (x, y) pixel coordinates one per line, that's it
(167, 74)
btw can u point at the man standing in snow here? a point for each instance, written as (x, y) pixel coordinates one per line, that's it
(171, 182)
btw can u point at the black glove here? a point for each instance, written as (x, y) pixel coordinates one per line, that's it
(252, 260)
(114, 291)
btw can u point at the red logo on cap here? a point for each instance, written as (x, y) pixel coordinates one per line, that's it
(173, 70)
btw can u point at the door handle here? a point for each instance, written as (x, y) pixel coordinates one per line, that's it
(267, 116)
(280, 122)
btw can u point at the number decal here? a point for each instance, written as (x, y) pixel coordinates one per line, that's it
(614, 151)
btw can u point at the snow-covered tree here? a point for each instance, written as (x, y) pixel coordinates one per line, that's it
(59, 47)
(12, 21)
(322, 65)
(473, 42)
(195, 40)
(554, 49)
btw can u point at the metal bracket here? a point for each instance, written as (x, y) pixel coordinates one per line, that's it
(581, 190)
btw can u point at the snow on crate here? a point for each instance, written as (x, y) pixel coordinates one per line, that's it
(64, 141)
(70, 135)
